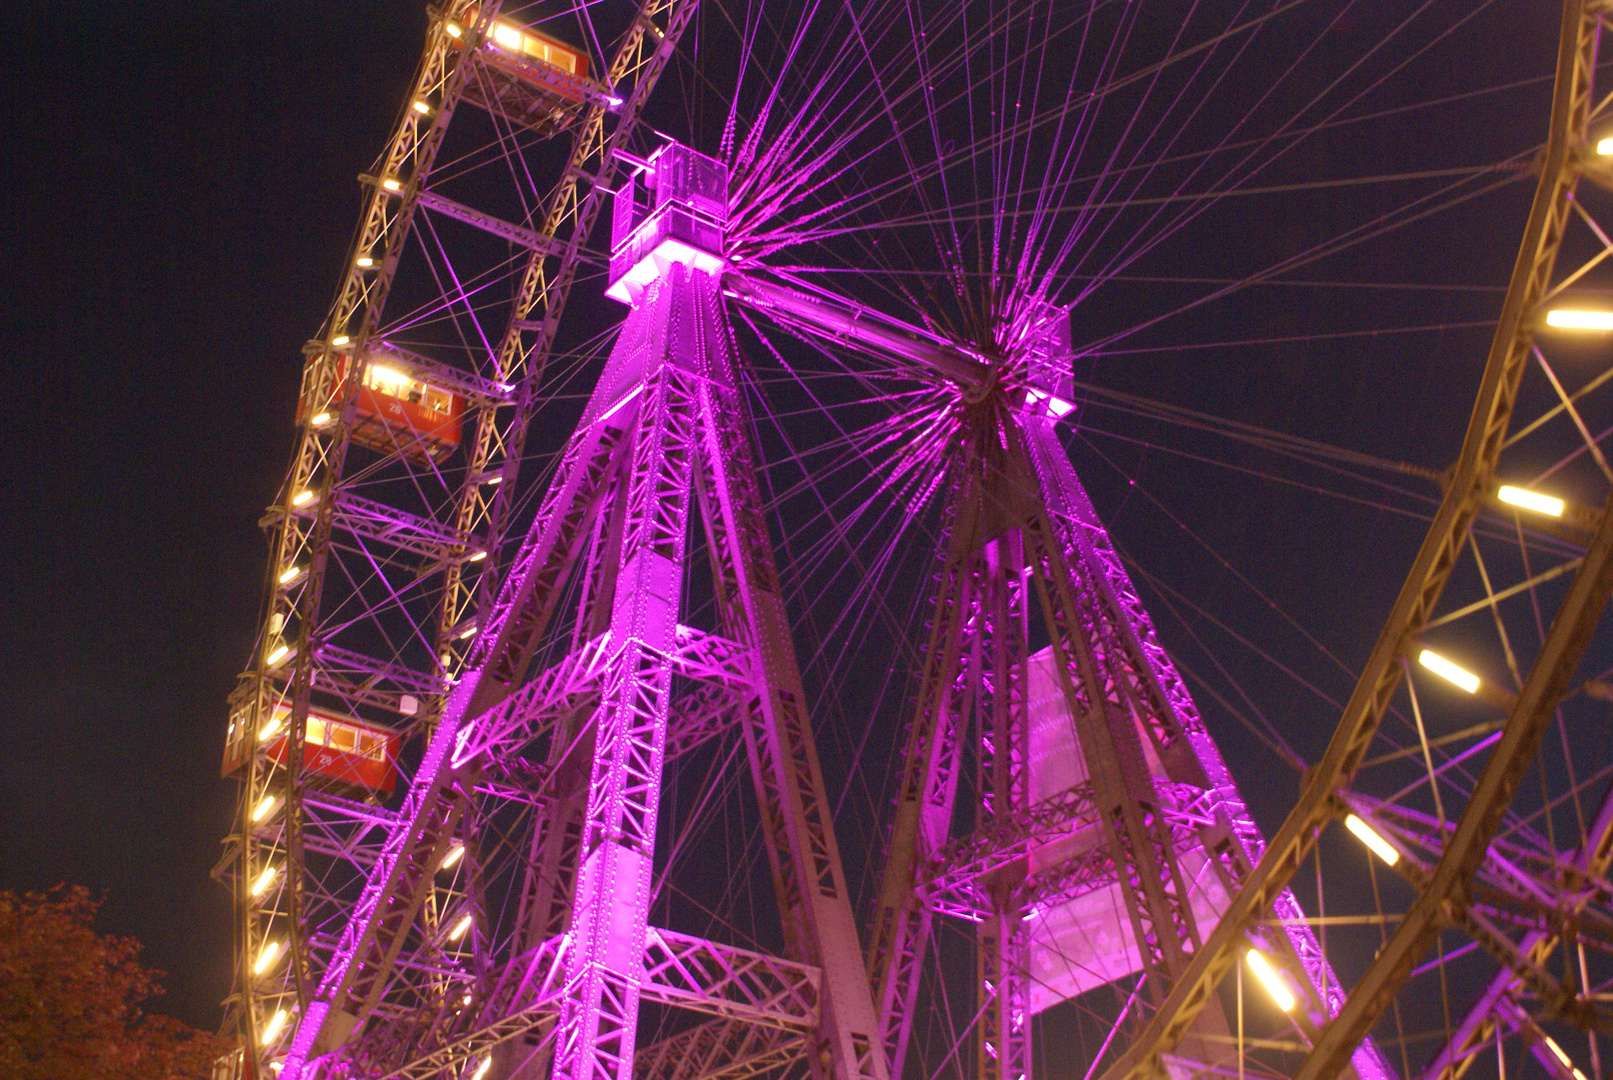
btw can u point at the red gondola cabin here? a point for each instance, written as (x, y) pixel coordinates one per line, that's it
(535, 80)
(349, 752)
(341, 748)
(399, 410)
(514, 47)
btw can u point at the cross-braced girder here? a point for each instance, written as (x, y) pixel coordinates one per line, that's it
(663, 431)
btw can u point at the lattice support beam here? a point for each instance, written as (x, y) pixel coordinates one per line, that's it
(1474, 1030)
(604, 964)
(720, 1050)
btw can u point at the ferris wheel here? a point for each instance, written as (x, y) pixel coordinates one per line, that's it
(732, 675)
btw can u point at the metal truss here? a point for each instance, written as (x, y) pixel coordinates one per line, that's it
(1128, 705)
(665, 430)
(1498, 1004)
(755, 993)
(721, 1050)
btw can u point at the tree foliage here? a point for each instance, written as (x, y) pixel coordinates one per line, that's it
(70, 999)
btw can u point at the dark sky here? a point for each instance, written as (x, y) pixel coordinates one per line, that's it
(180, 190)
(180, 187)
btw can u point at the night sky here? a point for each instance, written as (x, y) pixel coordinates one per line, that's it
(180, 195)
(180, 191)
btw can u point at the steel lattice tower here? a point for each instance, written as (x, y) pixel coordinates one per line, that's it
(666, 427)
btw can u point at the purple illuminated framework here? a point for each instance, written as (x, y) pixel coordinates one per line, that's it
(1095, 774)
(662, 430)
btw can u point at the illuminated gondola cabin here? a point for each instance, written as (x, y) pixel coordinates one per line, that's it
(535, 80)
(345, 752)
(398, 410)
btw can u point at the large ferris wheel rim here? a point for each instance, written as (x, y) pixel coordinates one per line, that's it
(439, 87)
(1466, 488)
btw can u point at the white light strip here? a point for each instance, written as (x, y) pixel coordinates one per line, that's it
(266, 957)
(264, 880)
(1531, 500)
(1271, 981)
(1448, 671)
(272, 1028)
(1580, 320)
(1369, 836)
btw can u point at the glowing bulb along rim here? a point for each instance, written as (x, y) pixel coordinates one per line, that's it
(1531, 500)
(455, 853)
(1370, 837)
(1269, 978)
(266, 958)
(265, 807)
(1451, 673)
(272, 1028)
(460, 927)
(1569, 319)
(265, 879)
